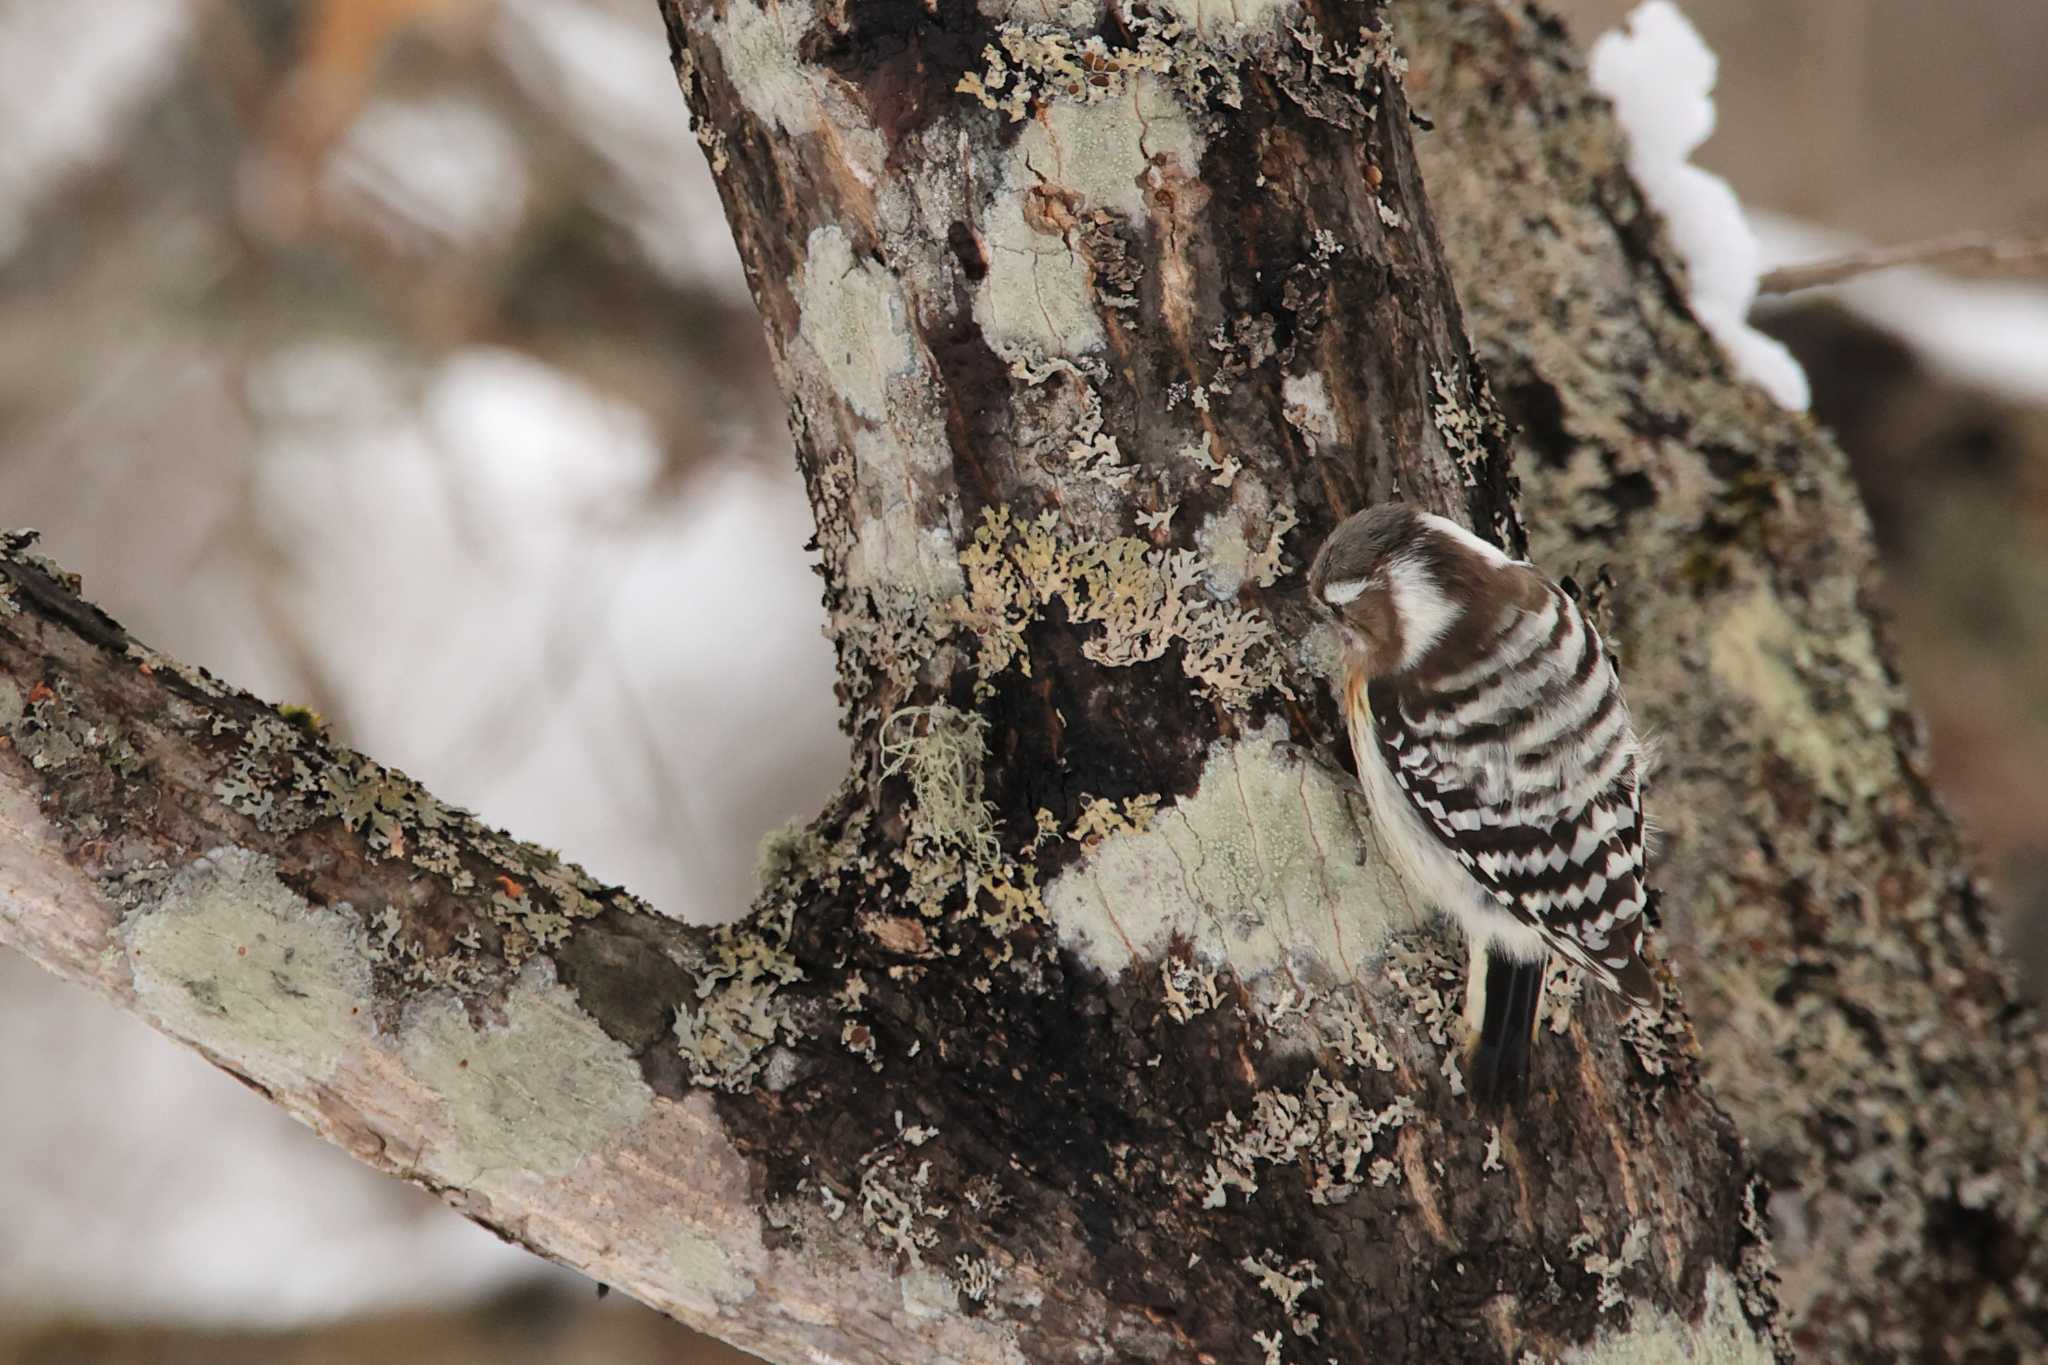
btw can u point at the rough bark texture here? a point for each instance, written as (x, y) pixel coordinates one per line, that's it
(1854, 1012)
(1085, 1025)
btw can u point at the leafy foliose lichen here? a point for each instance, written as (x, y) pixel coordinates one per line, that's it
(1322, 1129)
(1142, 600)
(739, 1012)
(287, 779)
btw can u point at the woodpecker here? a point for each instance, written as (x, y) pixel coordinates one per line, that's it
(1498, 762)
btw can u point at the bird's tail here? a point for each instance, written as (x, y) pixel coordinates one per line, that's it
(1498, 1073)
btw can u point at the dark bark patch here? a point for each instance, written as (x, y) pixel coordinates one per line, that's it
(905, 57)
(1535, 408)
(620, 969)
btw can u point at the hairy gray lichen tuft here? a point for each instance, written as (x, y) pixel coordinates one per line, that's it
(952, 839)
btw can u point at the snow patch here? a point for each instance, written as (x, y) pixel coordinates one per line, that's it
(1659, 75)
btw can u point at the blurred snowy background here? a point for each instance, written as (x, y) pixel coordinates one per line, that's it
(390, 356)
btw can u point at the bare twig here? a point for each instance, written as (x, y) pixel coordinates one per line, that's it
(2006, 255)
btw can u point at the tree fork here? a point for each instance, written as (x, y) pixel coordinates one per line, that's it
(1086, 1023)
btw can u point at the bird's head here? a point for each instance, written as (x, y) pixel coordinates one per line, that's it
(1403, 585)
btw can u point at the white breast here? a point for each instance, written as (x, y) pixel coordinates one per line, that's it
(1432, 873)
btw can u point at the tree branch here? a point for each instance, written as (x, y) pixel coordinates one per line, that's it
(2006, 255)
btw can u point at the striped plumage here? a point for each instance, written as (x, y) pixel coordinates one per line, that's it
(1498, 759)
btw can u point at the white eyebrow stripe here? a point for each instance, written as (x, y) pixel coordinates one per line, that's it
(1338, 594)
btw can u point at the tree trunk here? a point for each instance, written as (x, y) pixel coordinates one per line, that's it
(1855, 1014)
(1087, 1023)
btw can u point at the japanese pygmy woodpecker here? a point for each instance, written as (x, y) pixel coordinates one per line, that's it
(1498, 762)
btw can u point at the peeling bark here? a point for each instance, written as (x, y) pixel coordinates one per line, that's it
(1086, 1023)
(1855, 1013)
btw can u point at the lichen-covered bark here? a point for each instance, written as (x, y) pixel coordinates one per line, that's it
(1086, 1024)
(1853, 1011)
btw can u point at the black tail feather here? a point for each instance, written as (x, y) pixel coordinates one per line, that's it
(1499, 1074)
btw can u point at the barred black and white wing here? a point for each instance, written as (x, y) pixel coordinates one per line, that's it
(1523, 764)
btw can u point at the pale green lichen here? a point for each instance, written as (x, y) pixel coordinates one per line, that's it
(1231, 17)
(1306, 406)
(47, 730)
(853, 326)
(1110, 154)
(699, 1267)
(1758, 653)
(929, 1293)
(976, 1276)
(286, 779)
(1091, 451)
(1222, 467)
(533, 1091)
(1264, 865)
(758, 46)
(728, 1033)
(1040, 65)
(1722, 1335)
(1039, 293)
(1288, 1282)
(883, 631)
(1188, 989)
(1463, 430)
(739, 1012)
(251, 787)
(895, 1197)
(1606, 1269)
(231, 957)
(1231, 560)
(853, 318)
(787, 851)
